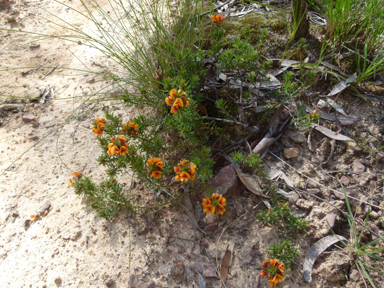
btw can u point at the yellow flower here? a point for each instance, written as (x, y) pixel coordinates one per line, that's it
(206, 201)
(183, 176)
(100, 120)
(273, 262)
(178, 103)
(172, 93)
(169, 100)
(220, 210)
(131, 126)
(155, 161)
(113, 149)
(192, 168)
(217, 18)
(182, 163)
(97, 131)
(156, 174)
(70, 182)
(281, 267)
(34, 217)
(209, 209)
(276, 279)
(122, 139)
(77, 174)
(222, 201)
(215, 196)
(174, 109)
(100, 126)
(123, 150)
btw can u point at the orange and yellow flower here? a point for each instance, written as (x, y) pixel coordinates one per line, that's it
(34, 217)
(276, 279)
(214, 203)
(77, 174)
(131, 128)
(122, 139)
(183, 176)
(177, 99)
(70, 182)
(98, 126)
(217, 18)
(123, 150)
(155, 166)
(275, 271)
(185, 171)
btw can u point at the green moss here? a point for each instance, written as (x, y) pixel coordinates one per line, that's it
(277, 25)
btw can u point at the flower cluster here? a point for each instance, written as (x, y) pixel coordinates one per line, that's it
(185, 171)
(217, 18)
(274, 269)
(177, 99)
(214, 203)
(155, 166)
(77, 176)
(130, 128)
(98, 126)
(314, 116)
(118, 146)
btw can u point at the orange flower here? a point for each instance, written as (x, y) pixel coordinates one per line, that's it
(265, 264)
(113, 149)
(178, 103)
(169, 100)
(172, 93)
(182, 162)
(70, 182)
(276, 279)
(156, 174)
(263, 273)
(174, 109)
(155, 161)
(112, 139)
(215, 196)
(222, 201)
(183, 176)
(192, 168)
(206, 201)
(314, 112)
(100, 120)
(97, 131)
(131, 126)
(123, 150)
(34, 217)
(122, 139)
(177, 169)
(273, 262)
(220, 210)
(281, 267)
(100, 126)
(77, 174)
(217, 18)
(209, 209)
(186, 103)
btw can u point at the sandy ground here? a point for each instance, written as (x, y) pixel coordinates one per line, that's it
(71, 246)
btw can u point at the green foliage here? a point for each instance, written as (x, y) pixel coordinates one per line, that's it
(283, 251)
(281, 216)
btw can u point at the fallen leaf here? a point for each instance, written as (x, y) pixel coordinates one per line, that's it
(336, 106)
(315, 251)
(224, 267)
(342, 85)
(250, 183)
(201, 280)
(331, 134)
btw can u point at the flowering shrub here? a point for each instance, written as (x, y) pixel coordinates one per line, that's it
(118, 146)
(274, 270)
(314, 116)
(77, 176)
(98, 126)
(155, 166)
(214, 203)
(177, 99)
(130, 128)
(185, 171)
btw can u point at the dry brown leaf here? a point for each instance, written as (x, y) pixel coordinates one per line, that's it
(224, 267)
(250, 183)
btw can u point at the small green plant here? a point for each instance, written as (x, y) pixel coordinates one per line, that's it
(281, 216)
(283, 251)
(358, 251)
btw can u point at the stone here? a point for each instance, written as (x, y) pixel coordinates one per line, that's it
(11, 19)
(297, 137)
(49, 124)
(210, 218)
(312, 184)
(211, 227)
(321, 104)
(373, 215)
(178, 269)
(344, 180)
(15, 214)
(253, 253)
(210, 272)
(314, 191)
(109, 282)
(294, 198)
(26, 223)
(196, 266)
(133, 280)
(290, 153)
(330, 220)
(58, 281)
(382, 204)
(33, 138)
(141, 284)
(33, 93)
(304, 204)
(34, 46)
(225, 181)
(365, 162)
(340, 195)
(28, 118)
(45, 207)
(5, 3)
(36, 124)
(11, 107)
(358, 168)
(151, 284)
